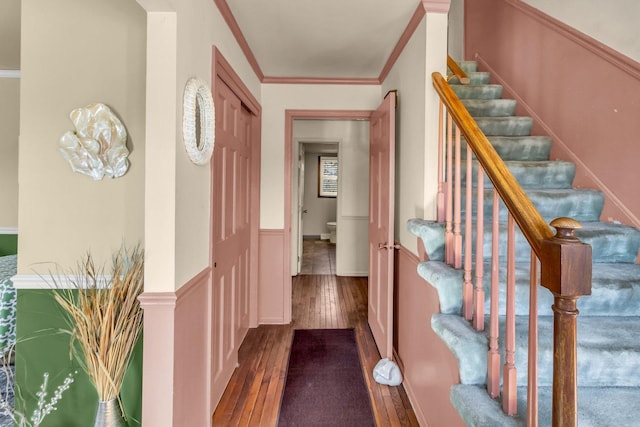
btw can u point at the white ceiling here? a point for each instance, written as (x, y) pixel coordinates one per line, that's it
(290, 38)
(322, 38)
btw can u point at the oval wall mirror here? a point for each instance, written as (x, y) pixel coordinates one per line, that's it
(198, 121)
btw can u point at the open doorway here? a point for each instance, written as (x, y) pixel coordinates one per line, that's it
(336, 210)
(318, 175)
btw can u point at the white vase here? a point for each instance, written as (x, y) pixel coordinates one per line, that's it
(109, 414)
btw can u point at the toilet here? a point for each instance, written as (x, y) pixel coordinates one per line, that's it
(332, 231)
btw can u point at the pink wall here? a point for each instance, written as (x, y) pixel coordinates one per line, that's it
(158, 358)
(273, 277)
(177, 330)
(428, 366)
(192, 353)
(581, 93)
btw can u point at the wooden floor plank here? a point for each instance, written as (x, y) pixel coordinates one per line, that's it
(255, 389)
(267, 412)
(255, 398)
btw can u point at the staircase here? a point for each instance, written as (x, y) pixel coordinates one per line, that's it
(609, 320)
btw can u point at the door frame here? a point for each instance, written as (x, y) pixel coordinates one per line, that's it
(300, 142)
(289, 117)
(302, 170)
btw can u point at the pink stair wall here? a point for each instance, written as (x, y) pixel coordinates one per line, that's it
(428, 366)
(583, 94)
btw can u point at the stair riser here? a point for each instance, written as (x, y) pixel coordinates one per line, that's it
(490, 107)
(505, 126)
(476, 78)
(608, 295)
(581, 205)
(468, 66)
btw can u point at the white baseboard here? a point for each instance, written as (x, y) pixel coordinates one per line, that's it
(353, 274)
(8, 230)
(10, 74)
(51, 282)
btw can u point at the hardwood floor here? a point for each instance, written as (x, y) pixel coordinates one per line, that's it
(253, 395)
(318, 257)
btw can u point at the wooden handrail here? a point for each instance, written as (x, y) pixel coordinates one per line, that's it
(457, 71)
(531, 223)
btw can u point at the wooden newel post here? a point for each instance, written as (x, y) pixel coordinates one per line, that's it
(566, 272)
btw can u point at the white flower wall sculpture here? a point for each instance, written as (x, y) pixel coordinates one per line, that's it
(97, 147)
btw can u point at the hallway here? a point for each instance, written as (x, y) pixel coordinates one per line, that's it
(319, 301)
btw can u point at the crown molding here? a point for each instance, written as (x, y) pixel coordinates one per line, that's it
(425, 6)
(402, 41)
(228, 17)
(322, 80)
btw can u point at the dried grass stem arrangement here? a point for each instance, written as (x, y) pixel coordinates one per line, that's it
(105, 317)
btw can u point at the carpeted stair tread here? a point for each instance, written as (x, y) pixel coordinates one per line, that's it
(475, 77)
(583, 205)
(431, 234)
(597, 406)
(447, 281)
(615, 289)
(505, 126)
(531, 174)
(469, 346)
(478, 91)
(608, 349)
(610, 242)
(524, 148)
(490, 107)
(478, 409)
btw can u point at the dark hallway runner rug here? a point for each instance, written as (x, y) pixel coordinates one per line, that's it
(324, 385)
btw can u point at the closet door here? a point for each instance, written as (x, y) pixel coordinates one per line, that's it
(231, 241)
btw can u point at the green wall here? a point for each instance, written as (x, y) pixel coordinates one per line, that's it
(42, 348)
(8, 244)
